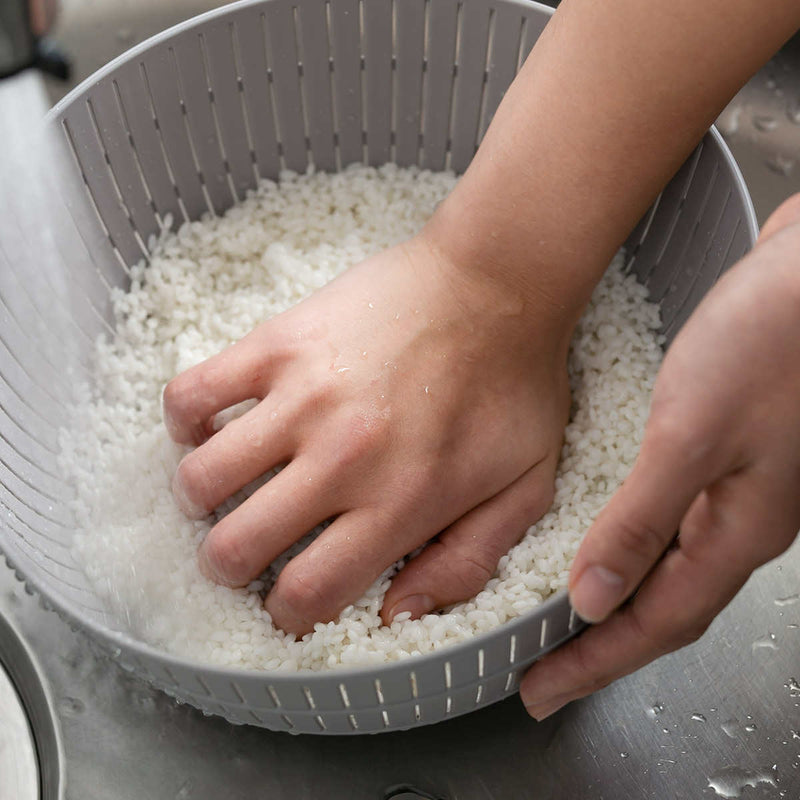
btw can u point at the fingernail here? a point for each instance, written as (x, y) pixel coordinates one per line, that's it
(597, 593)
(416, 604)
(185, 504)
(541, 711)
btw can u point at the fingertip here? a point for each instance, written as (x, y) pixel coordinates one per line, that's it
(596, 593)
(284, 617)
(415, 605)
(191, 509)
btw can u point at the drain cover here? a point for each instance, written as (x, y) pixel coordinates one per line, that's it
(29, 743)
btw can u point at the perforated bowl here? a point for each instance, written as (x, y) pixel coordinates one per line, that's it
(186, 123)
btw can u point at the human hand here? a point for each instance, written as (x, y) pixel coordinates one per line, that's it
(408, 398)
(720, 463)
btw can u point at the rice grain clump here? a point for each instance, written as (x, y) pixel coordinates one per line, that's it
(205, 287)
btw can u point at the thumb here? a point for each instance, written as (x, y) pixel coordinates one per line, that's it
(640, 521)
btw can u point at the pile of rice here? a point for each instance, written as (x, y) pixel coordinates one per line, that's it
(205, 287)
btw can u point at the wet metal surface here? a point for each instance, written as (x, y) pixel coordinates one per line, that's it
(719, 718)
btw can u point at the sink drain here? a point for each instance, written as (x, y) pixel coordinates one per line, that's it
(30, 764)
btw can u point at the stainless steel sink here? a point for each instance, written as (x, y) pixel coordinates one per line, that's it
(724, 712)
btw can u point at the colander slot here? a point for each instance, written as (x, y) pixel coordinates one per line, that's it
(71, 143)
(38, 491)
(314, 55)
(238, 692)
(12, 517)
(32, 388)
(171, 676)
(280, 42)
(483, 122)
(273, 695)
(255, 717)
(113, 178)
(362, 83)
(574, 620)
(309, 698)
(42, 560)
(543, 633)
(691, 168)
(320, 722)
(353, 722)
(273, 100)
(479, 694)
(512, 648)
(345, 48)
(451, 106)
(481, 662)
(32, 409)
(345, 696)
(412, 679)
(379, 691)
(448, 675)
(32, 350)
(201, 43)
(123, 117)
(203, 685)
(188, 128)
(408, 45)
(287, 720)
(691, 238)
(440, 55)
(240, 87)
(385, 718)
(509, 682)
(448, 704)
(335, 113)
(423, 94)
(417, 712)
(160, 133)
(298, 46)
(522, 52)
(377, 79)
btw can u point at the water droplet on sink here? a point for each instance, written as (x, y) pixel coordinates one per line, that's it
(788, 600)
(793, 110)
(623, 754)
(793, 686)
(71, 706)
(730, 727)
(780, 164)
(698, 717)
(730, 781)
(750, 727)
(765, 643)
(764, 123)
(655, 710)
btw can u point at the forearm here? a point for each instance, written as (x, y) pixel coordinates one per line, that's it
(610, 102)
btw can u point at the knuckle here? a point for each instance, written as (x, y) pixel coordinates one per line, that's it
(467, 573)
(639, 538)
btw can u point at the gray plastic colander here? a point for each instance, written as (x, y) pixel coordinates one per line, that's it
(186, 123)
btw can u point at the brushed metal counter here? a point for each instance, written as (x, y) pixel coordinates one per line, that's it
(715, 719)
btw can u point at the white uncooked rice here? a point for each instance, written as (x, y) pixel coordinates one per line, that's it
(205, 287)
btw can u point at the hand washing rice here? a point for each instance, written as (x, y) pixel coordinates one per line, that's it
(205, 287)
